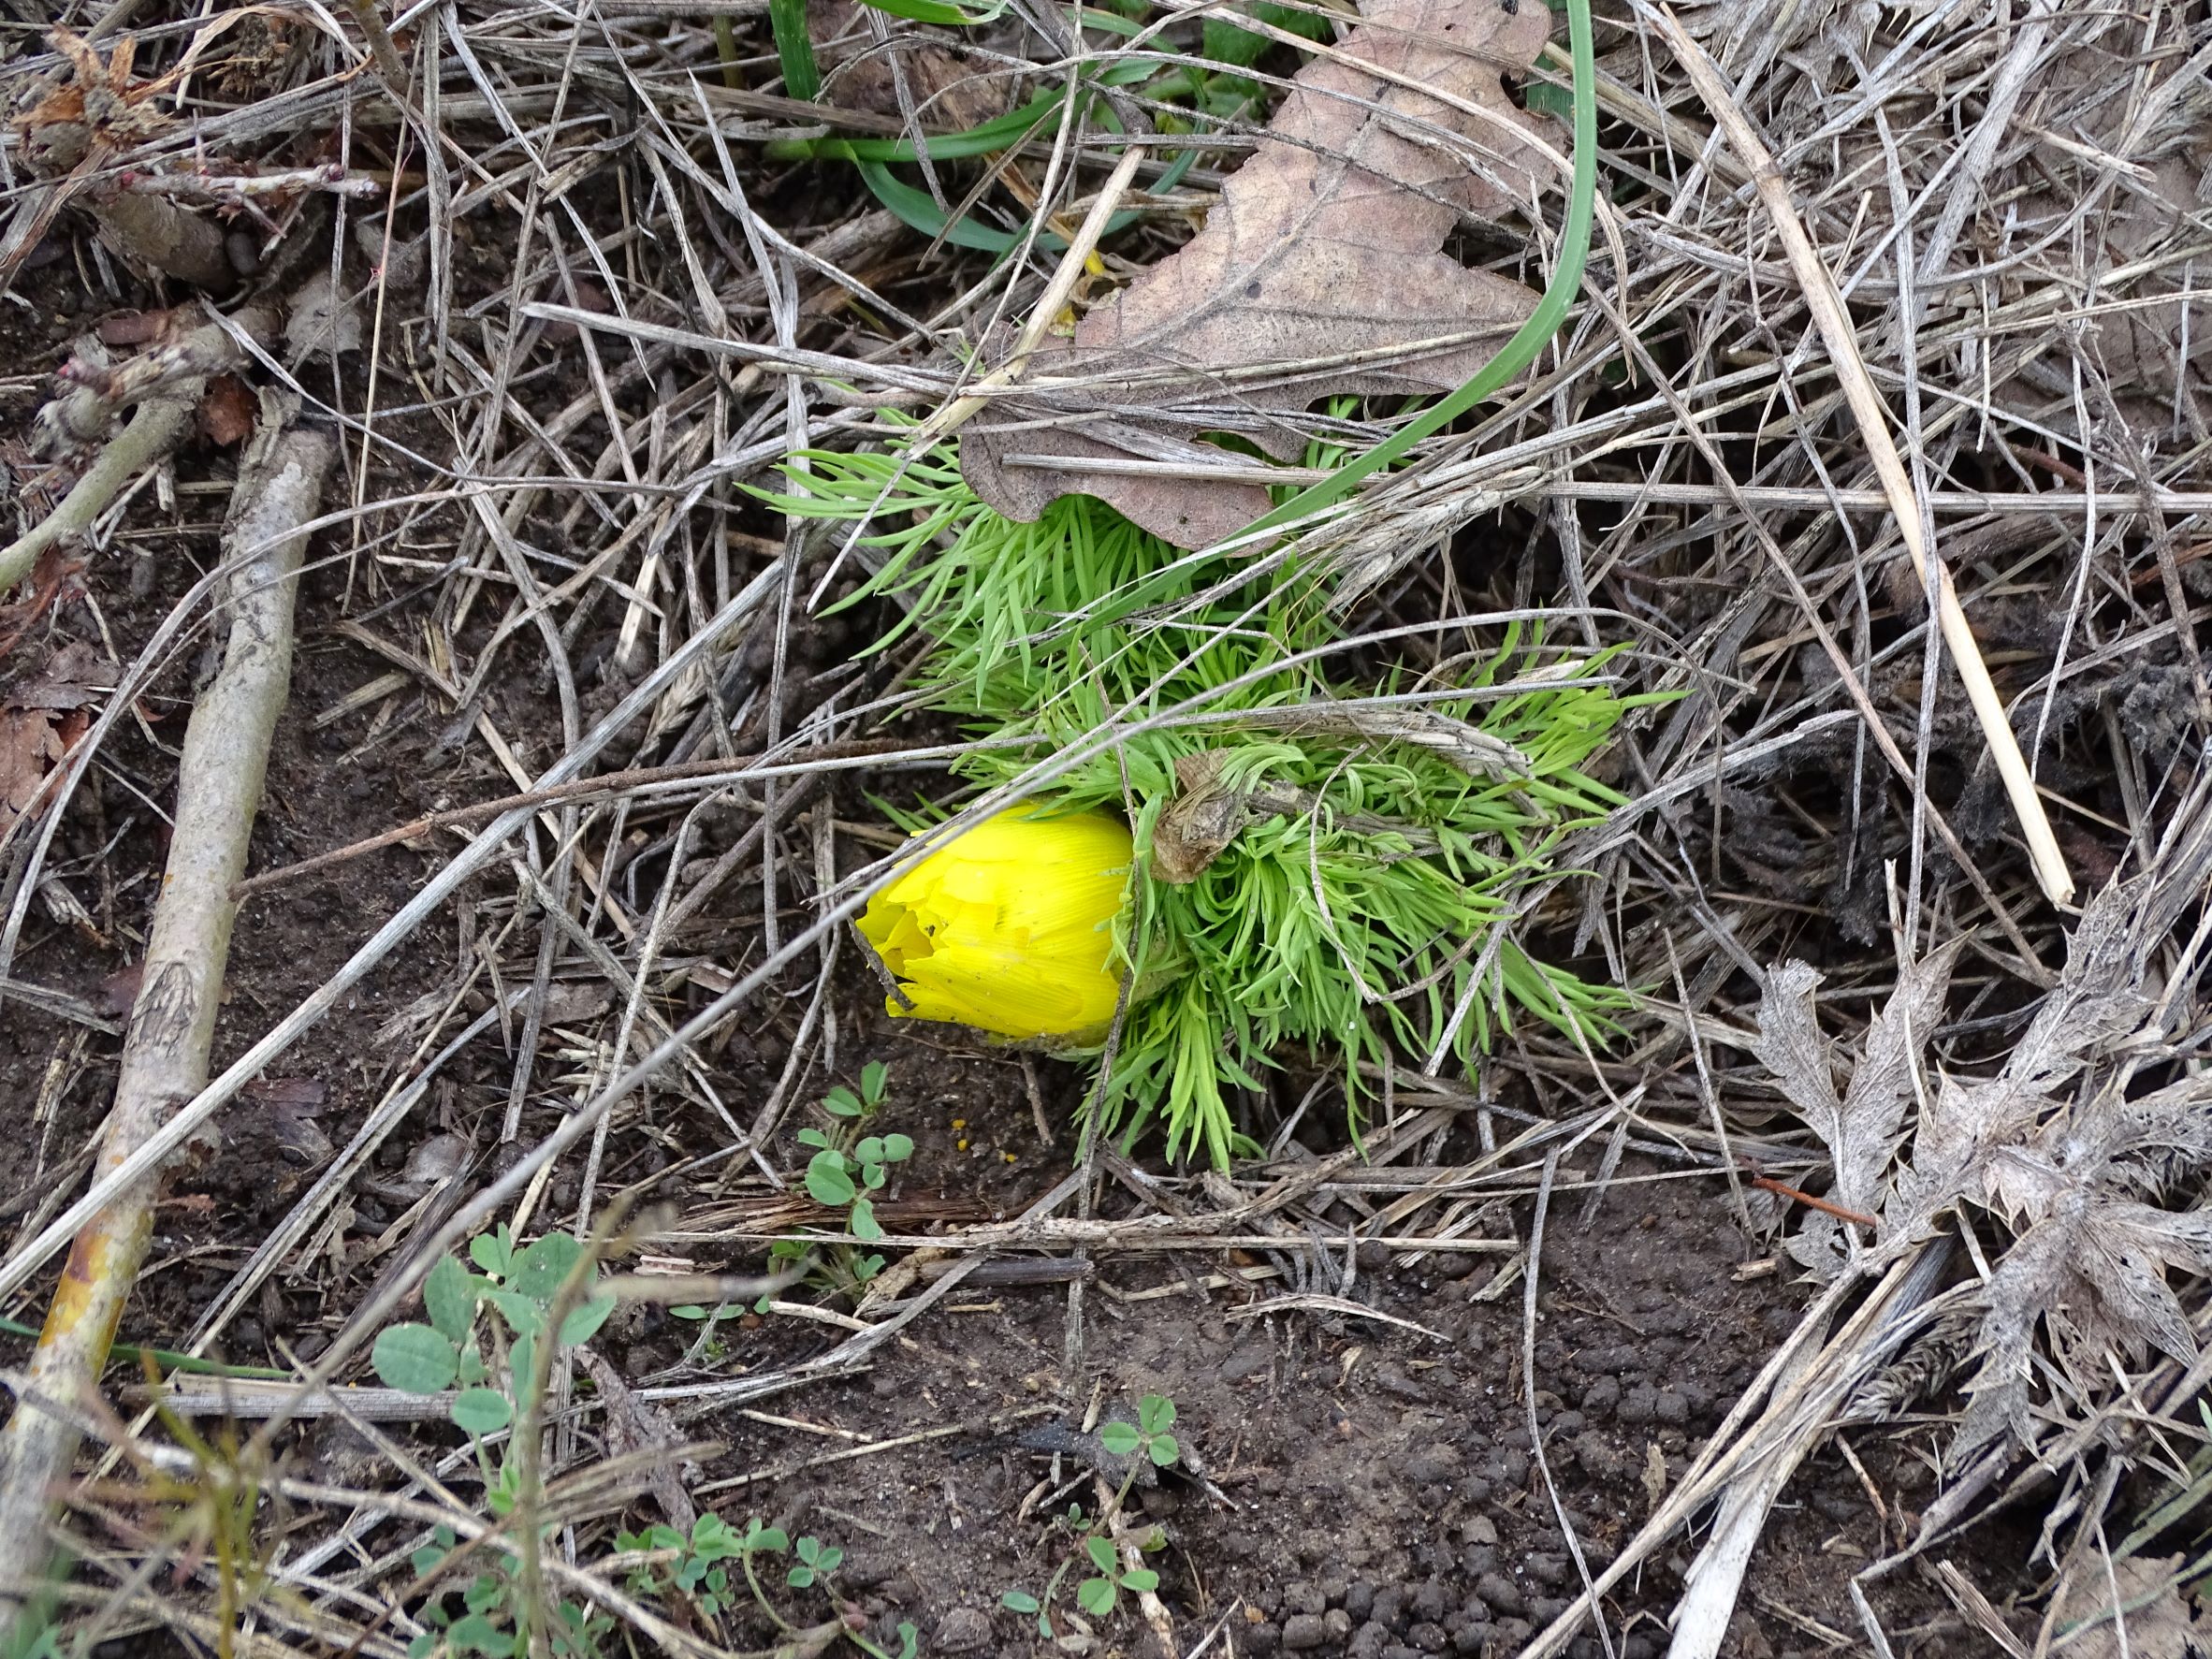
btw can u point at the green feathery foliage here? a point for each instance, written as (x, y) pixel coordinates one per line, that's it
(1367, 899)
(1369, 891)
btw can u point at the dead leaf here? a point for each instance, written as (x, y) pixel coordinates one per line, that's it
(29, 748)
(119, 991)
(438, 1159)
(280, 1112)
(1863, 1129)
(1872, 1119)
(39, 722)
(2075, 1167)
(2158, 1623)
(1792, 1047)
(2098, 999)
(568, 1003)
(1319, 271)
(2089, 1260)
(227, 412)
(56, 580)
(74, 675)
(322, 319)
(103, 95)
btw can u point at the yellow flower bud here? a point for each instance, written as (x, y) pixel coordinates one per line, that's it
(1009, 928)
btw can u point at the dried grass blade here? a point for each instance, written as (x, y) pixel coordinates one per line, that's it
(1866, 408)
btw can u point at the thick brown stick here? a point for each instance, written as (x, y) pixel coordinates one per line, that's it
(165, 1055)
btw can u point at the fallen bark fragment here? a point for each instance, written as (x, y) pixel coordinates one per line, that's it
(164, 1056)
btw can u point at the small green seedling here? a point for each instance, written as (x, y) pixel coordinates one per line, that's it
(1096, 1595)
(707, 1345)
(525, 1287)
(1156, 1415)
(698, 1572)
(1099, 1594)
(816, 1562)
(487, 1622)
(849, 1165)
(842, 1174)
(522, 1286)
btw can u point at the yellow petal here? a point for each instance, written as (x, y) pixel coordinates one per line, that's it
(1009, 928)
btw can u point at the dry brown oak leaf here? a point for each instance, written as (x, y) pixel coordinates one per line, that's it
(1318, 273)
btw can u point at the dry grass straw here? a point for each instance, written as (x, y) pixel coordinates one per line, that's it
(543, 456)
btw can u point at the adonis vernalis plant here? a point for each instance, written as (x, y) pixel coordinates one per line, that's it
(1355, 878)
(1010, 928)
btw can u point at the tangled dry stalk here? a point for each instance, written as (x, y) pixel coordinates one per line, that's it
(555, 284)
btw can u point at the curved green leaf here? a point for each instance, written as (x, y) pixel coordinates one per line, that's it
(483, 1411)
(415, 1359)
(826, 1180)
(584, 1320)
(449, 1297)
(541, 1267)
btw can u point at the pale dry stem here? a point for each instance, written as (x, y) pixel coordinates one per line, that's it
(165, 1055)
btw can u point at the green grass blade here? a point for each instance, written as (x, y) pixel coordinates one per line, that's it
(915, 208)
(937, 11)
(787, 21)
(123, 1353)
